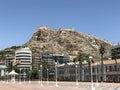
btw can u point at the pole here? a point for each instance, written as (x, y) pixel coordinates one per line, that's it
(7, 77)
(92, 80)
(76, 75)
(47, 77)
(92, 88)
(97, 84)
(24, 76)
(56, 75)
(20, 77)
(29, 77)
(41, 75)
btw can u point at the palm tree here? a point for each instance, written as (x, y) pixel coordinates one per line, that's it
(89, 61)
(45, 66)
(114, 56)
(102, 51)
(80, 59)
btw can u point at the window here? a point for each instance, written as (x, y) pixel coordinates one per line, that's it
(93, 69)
(115, 68)
(106, 69)
(110, 68)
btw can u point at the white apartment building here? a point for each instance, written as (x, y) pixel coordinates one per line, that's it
(24, 55)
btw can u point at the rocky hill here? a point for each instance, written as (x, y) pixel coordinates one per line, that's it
(63, 41)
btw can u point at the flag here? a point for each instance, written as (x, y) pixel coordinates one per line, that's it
(16, 62)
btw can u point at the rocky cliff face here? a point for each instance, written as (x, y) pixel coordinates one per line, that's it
(65, 41)
(62, 41)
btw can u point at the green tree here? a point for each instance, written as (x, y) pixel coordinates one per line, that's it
(89, 61)
(45, 66)
(102, 51)
(80, 58)
(114, 56)
(34, 74)
(10, 66)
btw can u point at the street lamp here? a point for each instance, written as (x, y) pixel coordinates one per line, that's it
(85, 62)
(47, 76)
(41, 75)
(20, 77)
(7, 77)
(92, 88)
(76, 74)
(56, 74)
(97, 84)
(29, 77)
(24, 76)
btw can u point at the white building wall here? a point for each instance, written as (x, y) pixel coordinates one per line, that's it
(24, 55)
(2, 70)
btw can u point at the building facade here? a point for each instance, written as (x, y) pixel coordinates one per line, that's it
(24, 55)
(9, 60)
(3, 70)
(36, 60)
(52, 60)
(60, 59)
(111, 71)
(69, 71)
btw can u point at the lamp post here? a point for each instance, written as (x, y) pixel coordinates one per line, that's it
(24, 76)
(29, 77)
(92, 88)
(47, 76)
(20, 77)
(85, 62)
(97, 84)
(107, 73)
(41, 76)
(7, 77)
(56, 74)
(76, 74)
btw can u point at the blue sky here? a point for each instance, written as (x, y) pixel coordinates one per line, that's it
(20, 18)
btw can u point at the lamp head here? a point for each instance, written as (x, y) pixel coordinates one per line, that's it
(90, 57)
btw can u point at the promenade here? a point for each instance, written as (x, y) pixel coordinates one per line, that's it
(34, 85)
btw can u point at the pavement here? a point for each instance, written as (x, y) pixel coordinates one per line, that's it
(36, 85)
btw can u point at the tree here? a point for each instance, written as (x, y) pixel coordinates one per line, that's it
(80, 58)
(45, 66)
(10, 66)
(34, 74)
(114, 56)
(89, 61)
(102, 51)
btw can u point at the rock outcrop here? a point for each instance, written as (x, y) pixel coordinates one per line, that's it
(62, 41)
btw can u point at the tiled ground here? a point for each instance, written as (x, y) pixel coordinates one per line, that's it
(62, 86)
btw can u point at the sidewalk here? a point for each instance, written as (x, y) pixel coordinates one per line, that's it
(34, 85)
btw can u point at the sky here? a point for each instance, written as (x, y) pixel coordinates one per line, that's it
(20, 18)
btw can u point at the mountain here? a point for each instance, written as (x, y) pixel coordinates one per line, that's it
(65, 41)
(62, 41)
